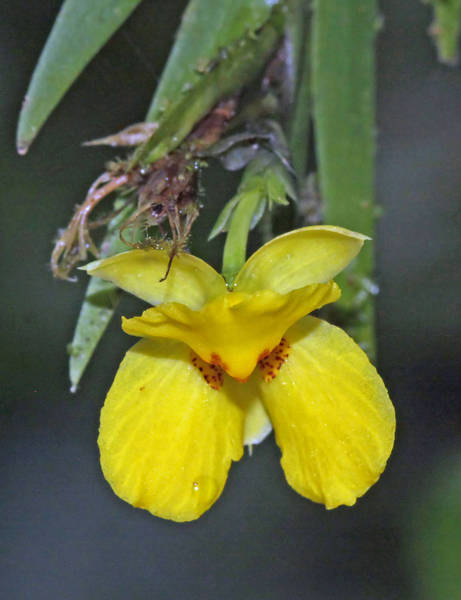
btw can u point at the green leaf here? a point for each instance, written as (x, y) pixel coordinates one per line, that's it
(220, 47)
(446, 29)
(98, 306)
(81, 28)
(224, 217)
(207, 30)
(343, 65)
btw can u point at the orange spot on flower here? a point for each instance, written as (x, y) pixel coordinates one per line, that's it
(212, 374)
(264, 354)
(215, 359)
(271, 364)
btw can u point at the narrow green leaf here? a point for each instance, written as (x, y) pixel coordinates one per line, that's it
(258, 212)
(101, 299)
(207, 30)
(227, 51)
(344, 116)
(224, 216)
(446, 29)
(81, 28)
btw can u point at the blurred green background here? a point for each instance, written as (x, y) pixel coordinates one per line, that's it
(64, 535)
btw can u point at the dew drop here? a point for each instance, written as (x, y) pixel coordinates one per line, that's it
(205, 490)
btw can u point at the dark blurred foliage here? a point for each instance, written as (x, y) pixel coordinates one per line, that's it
(64, 534)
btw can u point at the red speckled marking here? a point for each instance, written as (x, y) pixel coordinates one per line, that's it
(264, 354)
(215, 359)
(271, 364)
(212, 374)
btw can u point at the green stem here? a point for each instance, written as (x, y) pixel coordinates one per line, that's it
(235, 248)
(344, 117)
(298, 134)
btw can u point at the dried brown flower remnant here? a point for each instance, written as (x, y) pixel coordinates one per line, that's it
(165, 191)
(133, 135)
(168, 194)
(75, 241)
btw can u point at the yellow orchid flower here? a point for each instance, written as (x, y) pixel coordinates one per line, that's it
(217, 367)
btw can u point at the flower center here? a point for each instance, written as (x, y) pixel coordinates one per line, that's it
(271, 364)
(212, 374)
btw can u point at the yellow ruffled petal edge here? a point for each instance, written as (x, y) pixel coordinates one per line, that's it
(331, 413)
(191, 281)
(302, 257)
(235, 330)
(167, 439)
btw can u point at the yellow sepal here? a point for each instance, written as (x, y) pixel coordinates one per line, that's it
(190, 281)
(235, 330)
(301, 257)
(331, 413)
(167, 439)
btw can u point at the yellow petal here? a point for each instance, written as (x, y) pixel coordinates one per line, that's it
(190, 281)
(235, 330)
(167, 439)
(331, 413)
(299, 258)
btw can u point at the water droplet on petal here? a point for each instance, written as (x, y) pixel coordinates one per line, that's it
(205, 490)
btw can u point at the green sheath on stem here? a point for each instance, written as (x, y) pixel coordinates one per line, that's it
(344, 115)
